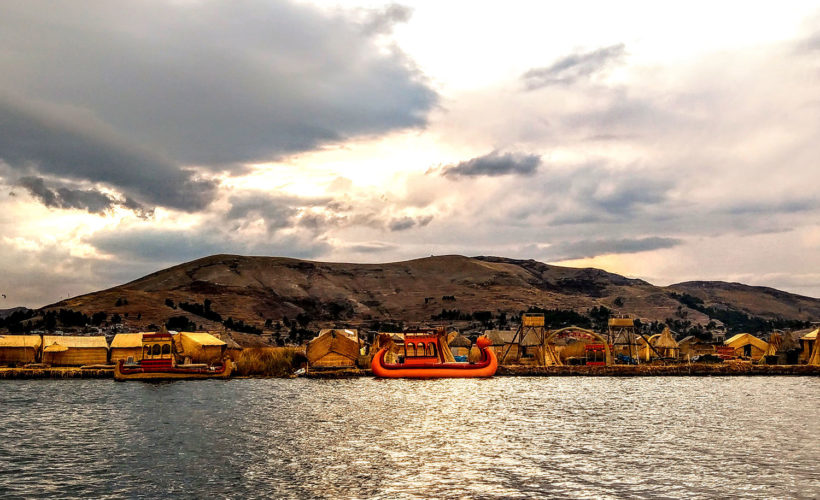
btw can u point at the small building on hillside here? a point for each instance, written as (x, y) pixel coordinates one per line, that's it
(126, 347)
(747, 346)
(74, 351)
(199, 347)
(334, 348)
(19, 349)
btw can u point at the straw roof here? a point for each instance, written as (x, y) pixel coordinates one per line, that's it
(460, 341)
(20, 341)
(665, 340)
(75, 342)
(742, 339)
(202, 338)
(812, 335)
(500, 337)
(351, 334)
(127, 341)
(55, 348)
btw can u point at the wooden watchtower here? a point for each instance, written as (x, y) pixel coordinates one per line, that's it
(531, 324)
(621, 335)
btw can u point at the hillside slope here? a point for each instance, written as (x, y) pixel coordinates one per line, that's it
(255, 289)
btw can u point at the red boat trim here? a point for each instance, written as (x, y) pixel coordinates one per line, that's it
(485, 361)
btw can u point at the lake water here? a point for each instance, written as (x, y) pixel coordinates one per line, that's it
(574, 437)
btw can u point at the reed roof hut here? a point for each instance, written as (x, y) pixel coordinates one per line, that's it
(19, 349)
(460, 345)
(666, 344)
(74, 351)
(693, 346)
(811, 353)
(747, 345)
(501, 341)
(333, 348)
(126, 347)
(199, 347)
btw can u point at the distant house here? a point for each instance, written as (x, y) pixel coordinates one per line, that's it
(19, 349)
(747, 346)
(334, 348)
(74, 351)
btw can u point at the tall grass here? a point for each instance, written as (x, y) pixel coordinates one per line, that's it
(268, 361)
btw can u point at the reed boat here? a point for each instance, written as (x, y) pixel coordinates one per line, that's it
(158, 363)
(422, 359)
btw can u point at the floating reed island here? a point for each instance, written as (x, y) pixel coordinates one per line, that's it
(529, 350)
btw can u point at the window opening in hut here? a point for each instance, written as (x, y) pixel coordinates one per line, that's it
(747, 350)
(166, 349)
(147, 350)
(431, 349)
(155, 350)
(411, 349)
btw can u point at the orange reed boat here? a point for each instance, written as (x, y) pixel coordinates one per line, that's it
(422, 359)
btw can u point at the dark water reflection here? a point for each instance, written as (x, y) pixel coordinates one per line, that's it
(505, 437)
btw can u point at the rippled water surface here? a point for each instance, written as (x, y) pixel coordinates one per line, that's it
(756, 437)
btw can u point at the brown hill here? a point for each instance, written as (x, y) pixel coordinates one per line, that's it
(254, 289)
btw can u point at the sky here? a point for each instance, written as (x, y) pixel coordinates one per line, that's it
(663, 142)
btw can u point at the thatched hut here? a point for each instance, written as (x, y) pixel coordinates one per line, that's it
(460, 345)
(811, 353)
(333, 348)
(200, 347)
(747, 345)
(666, 345)
(502, 342)
(74, 351)
(19, 349)
(127, 347)
(692, 346)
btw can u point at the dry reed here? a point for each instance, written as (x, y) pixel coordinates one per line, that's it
(268, 361)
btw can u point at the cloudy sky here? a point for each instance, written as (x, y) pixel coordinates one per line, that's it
(668, 143)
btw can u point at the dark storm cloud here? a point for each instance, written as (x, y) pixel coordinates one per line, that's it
(277, 211)
(572, 68)
(495, 164)
(592, 248)
(404, 223)
(63, 142)
(211, 83)
(90, 200)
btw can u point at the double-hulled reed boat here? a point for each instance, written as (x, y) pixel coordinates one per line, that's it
(158, 363)
(422, 359)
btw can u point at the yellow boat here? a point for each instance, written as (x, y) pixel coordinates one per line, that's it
(158, 363)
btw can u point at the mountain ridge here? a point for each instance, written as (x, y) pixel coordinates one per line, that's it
(261, 291)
